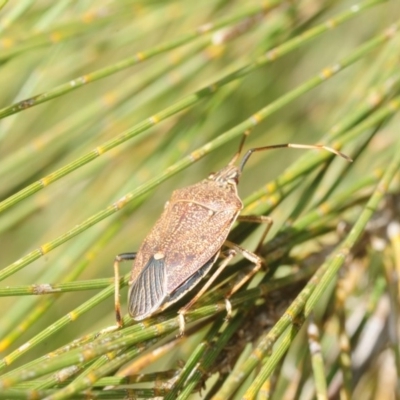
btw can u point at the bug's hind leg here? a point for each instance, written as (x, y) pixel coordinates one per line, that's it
(233, 249)
(119, 258)
(228, 256)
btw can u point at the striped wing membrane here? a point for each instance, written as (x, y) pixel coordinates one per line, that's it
(148, 291)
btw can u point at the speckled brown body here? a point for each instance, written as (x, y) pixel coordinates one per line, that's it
(187, 239)
(184, 243)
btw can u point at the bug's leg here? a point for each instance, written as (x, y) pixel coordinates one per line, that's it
(228, 256)
(253, 258)
(258, 219)
(119, 258)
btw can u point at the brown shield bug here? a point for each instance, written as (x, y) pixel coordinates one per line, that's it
(187, 240)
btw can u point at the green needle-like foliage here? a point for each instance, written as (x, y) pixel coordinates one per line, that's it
(106, 107)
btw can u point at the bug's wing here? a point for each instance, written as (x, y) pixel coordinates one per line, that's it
(148, 291)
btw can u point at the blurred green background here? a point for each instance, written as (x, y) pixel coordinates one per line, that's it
(99, 99)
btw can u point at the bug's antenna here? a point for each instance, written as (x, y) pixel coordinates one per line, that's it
(237, 154)
(292, 145)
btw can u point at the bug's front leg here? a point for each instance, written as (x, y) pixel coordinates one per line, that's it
(253, 258)
(119, 258)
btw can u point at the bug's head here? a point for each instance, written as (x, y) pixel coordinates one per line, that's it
(228, 175)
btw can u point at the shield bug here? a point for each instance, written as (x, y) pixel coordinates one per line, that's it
(187, 240)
